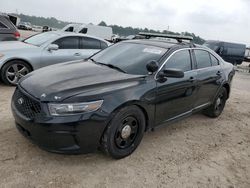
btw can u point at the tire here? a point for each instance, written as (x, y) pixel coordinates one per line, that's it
(13, 71)
(218, 105)
(116, 140)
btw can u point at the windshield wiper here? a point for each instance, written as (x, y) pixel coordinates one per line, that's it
(108, 65)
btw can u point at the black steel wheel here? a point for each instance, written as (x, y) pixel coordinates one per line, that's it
(124, 133)
(218, 105)
(13, 71)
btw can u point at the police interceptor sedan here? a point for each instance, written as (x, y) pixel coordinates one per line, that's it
(109, 100)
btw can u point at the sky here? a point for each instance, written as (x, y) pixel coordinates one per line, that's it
(226, 20)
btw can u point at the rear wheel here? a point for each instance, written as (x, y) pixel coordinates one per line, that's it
(124, 133)
(217, 107)
(13, 71)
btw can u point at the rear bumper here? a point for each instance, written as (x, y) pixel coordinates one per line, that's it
(52, 134)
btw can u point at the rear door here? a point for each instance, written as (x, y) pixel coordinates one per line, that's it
(175, 97)
(89, 46)
(209, 77)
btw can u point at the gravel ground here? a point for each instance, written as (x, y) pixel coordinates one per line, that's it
(195, 152)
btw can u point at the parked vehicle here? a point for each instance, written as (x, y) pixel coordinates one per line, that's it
(247, 55)
(14, 19)
(18, 58)
(72, 27)
(93, 30)
(230, 52)
(46, 28)
(8, 30)
(109, 100)
(24, 26)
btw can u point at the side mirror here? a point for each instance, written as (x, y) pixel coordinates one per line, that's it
(173, 73)
(152, 66)
(53, 47)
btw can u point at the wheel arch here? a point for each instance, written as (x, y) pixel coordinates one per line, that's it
(17, 59)
(227, 87)
(131, 103)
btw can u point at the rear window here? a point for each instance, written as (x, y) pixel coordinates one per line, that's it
(103, 45)
(202, 59)
(90, 43)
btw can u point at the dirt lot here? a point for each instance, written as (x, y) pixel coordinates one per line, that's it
(195, 152)
(25, 34)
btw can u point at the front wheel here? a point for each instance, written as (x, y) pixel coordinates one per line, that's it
(13, 71)
(124, 133)
(218, 105)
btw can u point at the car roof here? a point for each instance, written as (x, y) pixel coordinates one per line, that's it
(63, 33)
(158, 43)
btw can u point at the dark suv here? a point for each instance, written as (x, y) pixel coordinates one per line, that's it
(8, 30)
(109, 100)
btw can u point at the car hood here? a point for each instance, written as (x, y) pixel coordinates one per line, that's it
(14, 45)
(61, 81)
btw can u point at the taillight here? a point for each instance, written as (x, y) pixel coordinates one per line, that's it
(17, 35)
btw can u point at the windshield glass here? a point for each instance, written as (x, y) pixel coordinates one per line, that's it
(40, 39)
(132, 58)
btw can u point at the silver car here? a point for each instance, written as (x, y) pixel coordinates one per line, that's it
(18, 58)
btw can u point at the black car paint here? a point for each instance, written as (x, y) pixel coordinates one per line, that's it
(160, 102)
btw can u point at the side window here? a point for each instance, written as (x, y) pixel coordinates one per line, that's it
(68, 43)
(202, 59)
(2, 26)
(84, 30)
(90, 43)
(214, 60)
(180, 60)
(70, 29)
(103, 45)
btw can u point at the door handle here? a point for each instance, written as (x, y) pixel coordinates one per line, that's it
(191, 79)
(77, 54)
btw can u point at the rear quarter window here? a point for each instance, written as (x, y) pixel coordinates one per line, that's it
(214, 60)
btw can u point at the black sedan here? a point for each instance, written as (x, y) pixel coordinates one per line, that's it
(108, 101)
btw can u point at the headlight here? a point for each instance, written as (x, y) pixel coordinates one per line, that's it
(73, 108)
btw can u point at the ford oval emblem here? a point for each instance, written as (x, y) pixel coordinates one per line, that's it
(20, 101)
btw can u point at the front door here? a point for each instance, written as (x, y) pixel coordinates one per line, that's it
(69, 50)
(175, 96)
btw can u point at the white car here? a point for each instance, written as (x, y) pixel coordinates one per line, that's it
(18, 58)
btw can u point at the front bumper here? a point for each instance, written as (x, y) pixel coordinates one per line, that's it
(70, 135)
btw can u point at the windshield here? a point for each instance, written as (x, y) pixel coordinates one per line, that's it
(132, 58)
(40, 39)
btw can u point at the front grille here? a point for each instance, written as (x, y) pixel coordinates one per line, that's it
(27, 106)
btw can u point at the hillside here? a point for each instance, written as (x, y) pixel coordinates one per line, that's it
(123, 31)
